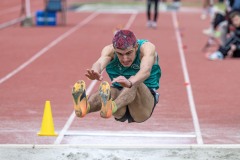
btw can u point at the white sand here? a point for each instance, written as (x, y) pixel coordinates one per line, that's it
(75, 152)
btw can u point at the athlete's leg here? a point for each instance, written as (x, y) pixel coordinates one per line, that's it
(115, 92)
(94, 102)
(84, 104)
(142, 106)
(139, 100)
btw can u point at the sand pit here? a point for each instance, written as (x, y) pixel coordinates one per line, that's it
(78, 152)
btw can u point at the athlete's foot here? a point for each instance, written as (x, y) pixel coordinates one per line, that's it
(81, 106)
(108, 106)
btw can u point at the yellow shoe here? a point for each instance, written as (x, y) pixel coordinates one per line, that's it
(81, 106)
(105, 95)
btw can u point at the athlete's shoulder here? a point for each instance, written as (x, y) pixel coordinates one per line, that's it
(142, 41)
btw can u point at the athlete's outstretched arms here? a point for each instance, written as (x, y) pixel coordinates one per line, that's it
(95, 73)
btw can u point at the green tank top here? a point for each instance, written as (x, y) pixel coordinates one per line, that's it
(115, 69)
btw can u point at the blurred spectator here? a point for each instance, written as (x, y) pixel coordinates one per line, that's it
(220, 24)
(232, 46)
(208, 9)
(152, 22)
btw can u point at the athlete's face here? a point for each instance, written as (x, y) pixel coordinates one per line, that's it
(127, 56)
(236, 21)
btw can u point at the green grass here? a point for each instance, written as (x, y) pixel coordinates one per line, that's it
(221, 6)
(111, 3)
(141, 3)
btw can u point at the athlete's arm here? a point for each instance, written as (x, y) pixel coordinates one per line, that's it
(106, 56)
(147, 60)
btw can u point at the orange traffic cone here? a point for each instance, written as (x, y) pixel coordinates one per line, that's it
(47, 128)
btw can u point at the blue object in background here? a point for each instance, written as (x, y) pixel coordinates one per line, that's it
(45, 18)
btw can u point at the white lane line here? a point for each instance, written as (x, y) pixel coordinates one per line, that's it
(91, 86)
(187, 80)
(120, 146)
(130, 134)
(131, 20)
(12, 22)
(71, 118)
(49, 46)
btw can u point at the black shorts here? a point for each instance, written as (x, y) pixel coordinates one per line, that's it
(127, 115)
(236, 54)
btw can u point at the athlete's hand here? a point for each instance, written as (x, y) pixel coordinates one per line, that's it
(123, 81)
(93, 75)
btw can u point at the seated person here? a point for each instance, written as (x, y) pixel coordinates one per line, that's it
(220, 24)
(232, 46)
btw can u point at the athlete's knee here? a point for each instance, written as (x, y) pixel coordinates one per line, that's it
(120, 112)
